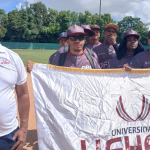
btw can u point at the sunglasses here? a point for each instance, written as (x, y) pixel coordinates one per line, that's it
(79, 37)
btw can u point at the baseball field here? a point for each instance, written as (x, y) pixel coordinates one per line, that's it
(39, 56)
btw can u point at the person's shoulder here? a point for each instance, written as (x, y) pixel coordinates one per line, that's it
(140, 55)
(10, 52)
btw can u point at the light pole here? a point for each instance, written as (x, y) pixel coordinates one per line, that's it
(100, 9)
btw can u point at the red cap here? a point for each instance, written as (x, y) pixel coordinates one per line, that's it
(75, 29)
(87, 28)
(112, 25)
(131, 32)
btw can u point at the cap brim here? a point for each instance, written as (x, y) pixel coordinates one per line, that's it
(75, 33)
(132, 35)
(90, 31)
(113, 26)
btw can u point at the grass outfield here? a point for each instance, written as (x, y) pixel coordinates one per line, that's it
(39, 56)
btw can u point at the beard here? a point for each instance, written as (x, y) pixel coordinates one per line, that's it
(77, 50)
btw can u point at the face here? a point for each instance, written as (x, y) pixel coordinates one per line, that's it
(87, 37)
(63, 41)
(76, 44)
(96, 36)
(110, 32)
(132, 42)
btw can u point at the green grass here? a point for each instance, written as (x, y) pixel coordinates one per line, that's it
(39, 56)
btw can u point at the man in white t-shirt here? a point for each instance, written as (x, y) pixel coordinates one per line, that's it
(12, 76)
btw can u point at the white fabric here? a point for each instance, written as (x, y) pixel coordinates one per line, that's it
(12, 72)
(76, 109)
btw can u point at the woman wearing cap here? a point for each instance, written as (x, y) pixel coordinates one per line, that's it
(129, 47)
(142, 60)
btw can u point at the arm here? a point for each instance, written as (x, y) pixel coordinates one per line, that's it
(23, 107)
(29, 66)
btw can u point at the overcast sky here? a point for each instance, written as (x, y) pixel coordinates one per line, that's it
(117, 8)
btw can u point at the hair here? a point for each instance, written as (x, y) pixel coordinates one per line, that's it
(121, 52)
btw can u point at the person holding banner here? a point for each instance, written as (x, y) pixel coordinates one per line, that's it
(142, 60)
(106, 51)
(94, 39)
(13, 76)
(77, 56)
(129, 47)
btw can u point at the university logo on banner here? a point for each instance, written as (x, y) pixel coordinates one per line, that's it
(84, 109)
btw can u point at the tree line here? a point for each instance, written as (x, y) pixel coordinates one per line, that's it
(37, 23)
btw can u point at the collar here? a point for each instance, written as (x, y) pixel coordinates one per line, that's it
(74, 55)
(2, 49)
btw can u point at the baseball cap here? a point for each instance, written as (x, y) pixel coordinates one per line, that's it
(63, 34)
(149, 34)
(130, 32)
(95, 26)
(87, 28)
(112, 25)
(75, 29)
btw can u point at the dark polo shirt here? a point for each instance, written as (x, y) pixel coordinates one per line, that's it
(105, 53)
(115, 63)
(141, 60)
(74, 61)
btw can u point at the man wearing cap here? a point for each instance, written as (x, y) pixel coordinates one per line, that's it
(88, 33)
(13, 76)
(63, 39)
(94, 40)
(142, 60)
(106, 51)
(129, 47)
(77, 57)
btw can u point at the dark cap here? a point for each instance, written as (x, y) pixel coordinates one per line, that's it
(95, 26)
(149, 34)
(131, 32)
(63, 34)
(87, 28)
(112, 25)
(75, 29)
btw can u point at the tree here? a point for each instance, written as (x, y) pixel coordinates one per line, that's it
(3, 22)
(135, 24)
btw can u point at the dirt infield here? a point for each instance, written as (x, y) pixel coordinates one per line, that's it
(31, 142)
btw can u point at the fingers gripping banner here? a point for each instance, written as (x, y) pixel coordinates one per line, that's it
(79, 109)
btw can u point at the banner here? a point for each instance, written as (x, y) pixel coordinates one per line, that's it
(83, 109)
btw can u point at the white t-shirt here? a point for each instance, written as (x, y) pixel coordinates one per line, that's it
(12, 72)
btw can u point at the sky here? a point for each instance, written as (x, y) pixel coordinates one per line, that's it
(117, 8)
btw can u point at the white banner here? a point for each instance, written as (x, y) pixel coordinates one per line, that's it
(79, 109)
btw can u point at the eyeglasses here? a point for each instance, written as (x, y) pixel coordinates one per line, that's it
(79, 37)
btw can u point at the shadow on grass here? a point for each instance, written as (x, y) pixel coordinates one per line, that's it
(31, 140)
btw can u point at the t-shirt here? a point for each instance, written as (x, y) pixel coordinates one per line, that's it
(115, 63)
(91, 46)
(105, 53)
(74, 61)
(12, 73)
(141, 60)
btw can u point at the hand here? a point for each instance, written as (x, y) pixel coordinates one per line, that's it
(29, 66)
(127, 68)
(20, 135)
(111, 39)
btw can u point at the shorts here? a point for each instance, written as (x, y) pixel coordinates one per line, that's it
(7, 142)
